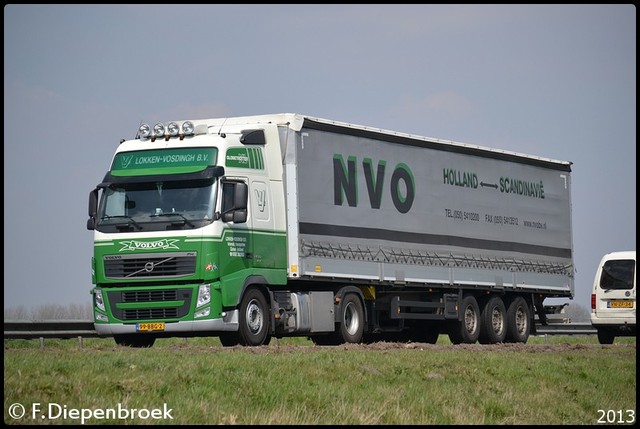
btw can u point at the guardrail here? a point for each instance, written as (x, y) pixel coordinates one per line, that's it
(566, 329)
(41, 329)
(28, 329)
(65, 329)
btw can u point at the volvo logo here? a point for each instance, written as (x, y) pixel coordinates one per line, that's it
(150, 266)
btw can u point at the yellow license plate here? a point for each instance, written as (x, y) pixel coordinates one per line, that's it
(620, 304)
(146, 327)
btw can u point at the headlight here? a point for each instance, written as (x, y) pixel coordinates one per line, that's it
(187, 128)
(173, 129)
(97, 299)
(158, 130)
(144, 131)
(202, 313)
(204, 295)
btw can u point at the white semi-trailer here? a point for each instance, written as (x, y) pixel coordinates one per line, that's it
(254, 227)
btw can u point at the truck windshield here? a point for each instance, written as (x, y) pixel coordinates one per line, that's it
(157, 206)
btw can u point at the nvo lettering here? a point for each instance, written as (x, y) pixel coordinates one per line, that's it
(345, 183)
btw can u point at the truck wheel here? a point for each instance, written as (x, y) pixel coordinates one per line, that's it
(518, 321)
(229, 339)
(351, 325)
(605, 336)
(254, 319)
(135, 340)
(466, 330)
(493, 324)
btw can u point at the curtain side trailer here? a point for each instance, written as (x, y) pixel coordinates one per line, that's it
(325, 229)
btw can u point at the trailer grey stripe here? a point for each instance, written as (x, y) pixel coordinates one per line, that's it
(443, 240)
(376, 135)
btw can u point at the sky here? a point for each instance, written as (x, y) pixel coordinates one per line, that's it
(556, 81)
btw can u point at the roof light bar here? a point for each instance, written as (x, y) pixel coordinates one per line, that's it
(172, 129)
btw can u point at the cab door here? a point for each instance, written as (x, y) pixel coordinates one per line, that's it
(236, 253)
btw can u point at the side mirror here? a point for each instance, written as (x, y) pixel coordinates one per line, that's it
(240, 216)
(253, 137)
(240, 196)
(93, 203)
(93, 209)
(129, 204)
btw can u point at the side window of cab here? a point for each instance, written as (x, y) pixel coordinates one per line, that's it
(234, 201)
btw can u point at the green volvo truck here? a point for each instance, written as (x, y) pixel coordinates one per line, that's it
(249, 228)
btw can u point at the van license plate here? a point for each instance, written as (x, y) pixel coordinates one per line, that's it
(147, 327)
(620, 304)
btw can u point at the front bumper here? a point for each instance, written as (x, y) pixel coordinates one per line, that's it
(224, 324)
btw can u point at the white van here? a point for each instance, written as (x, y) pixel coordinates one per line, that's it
(613, 298)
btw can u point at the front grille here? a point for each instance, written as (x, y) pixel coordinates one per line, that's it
(151, 313)
(156, 265)
(150, 295)
(180, 299)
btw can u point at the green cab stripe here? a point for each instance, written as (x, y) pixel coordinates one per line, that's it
(163, 161)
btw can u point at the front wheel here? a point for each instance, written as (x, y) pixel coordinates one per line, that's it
(254, 319)
(351, 325)
(229, 339)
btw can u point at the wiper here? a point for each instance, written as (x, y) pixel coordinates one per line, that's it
(187, 221)
(136, 224)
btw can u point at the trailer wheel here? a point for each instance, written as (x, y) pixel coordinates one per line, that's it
(351, 326)
(518, 321)
(466, 330)
(493, 325)
(135, 340)
(254, 319)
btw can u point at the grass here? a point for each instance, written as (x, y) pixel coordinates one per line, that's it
(553, 380)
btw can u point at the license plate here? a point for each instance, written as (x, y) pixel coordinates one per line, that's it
(146, 327)
(620, 304)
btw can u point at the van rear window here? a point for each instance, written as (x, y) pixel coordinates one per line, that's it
(618, 274)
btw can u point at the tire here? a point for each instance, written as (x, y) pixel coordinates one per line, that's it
(267, 340)
(350, 328)
(229, 339)
(518, 321)
(254, 319)
(135, 340)
(493, 323)
(605, 336)
(466, 330)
